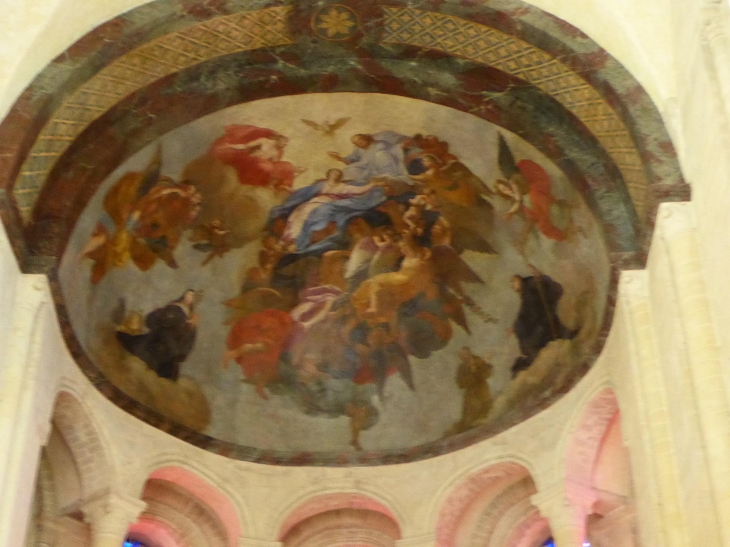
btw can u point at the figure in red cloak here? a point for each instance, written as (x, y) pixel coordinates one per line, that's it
(529, 188)
(255, 343)
(255, 153)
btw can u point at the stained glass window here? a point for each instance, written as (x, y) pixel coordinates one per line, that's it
(550, 542)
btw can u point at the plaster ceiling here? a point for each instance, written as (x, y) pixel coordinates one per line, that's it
(352, 301)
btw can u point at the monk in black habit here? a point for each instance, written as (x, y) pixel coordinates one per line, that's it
(537, 322)
(170, 337)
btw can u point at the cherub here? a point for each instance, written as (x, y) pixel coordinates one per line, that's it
(259, 276)
(211, 238)
(413, 217)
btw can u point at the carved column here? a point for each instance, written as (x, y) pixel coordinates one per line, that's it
(678, 232)
(110, 517)
(565, 515)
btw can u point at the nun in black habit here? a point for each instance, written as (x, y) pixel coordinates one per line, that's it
(170, 337)
(537, 322)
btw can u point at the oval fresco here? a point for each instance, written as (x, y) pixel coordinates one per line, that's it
(336, 273)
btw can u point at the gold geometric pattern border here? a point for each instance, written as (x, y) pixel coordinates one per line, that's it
(491, 47)
(168, 54)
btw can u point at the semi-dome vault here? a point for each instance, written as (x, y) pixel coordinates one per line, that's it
(334, 233)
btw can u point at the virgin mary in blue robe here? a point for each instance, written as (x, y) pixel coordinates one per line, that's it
(339, 211)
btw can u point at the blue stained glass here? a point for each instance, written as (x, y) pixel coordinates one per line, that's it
(550, 542)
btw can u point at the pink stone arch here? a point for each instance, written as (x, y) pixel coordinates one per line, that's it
(341, 526)
(156, 532)
(466, 492)
(330, 502)
(207, 494)
(585, 441)
(74, 423)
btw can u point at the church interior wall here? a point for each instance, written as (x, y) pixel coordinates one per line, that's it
(648, 361)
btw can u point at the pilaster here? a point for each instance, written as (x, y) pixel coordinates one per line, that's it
(716, 28)
(660, 464)
(676, 225)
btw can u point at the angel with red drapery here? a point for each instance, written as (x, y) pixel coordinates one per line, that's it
(528, 188)
(256, 155)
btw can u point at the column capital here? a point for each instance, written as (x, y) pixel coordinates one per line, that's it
(112, 513)
(551, 497)
(71, 529)
(564, 508)
(426, 540)
(624, 515)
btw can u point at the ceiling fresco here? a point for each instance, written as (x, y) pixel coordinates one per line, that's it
(365, 279)
(334, 233)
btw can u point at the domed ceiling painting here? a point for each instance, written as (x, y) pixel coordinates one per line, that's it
(335, 233)
(326, 271)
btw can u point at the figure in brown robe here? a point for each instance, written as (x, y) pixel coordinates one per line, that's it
(472, 376)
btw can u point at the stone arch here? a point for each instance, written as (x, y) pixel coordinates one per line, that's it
(74, 422)
(463, 475)
(582, 439)
(45, 489)
(611, 472)
(313, 505)
(44, 508)
(521, 525)
(479, 500)
(531, 531)
(344, 527)
(202, 486)
(184, 515)
(154, 531)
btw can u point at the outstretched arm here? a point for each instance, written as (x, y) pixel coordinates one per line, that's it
(337, 156)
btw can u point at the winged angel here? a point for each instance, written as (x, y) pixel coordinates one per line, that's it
(329, 321)
(145, 215)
